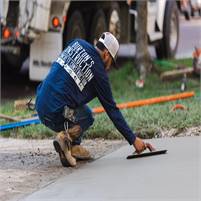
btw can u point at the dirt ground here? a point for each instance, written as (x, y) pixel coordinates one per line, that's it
(28, 165)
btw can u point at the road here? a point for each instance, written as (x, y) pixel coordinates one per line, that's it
(190, 37)
(18, 86)
(190, 32)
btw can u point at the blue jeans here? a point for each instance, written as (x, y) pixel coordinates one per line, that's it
(83, 118)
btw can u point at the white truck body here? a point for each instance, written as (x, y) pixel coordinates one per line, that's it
(3, 10)
(156, 11)
(46, 43)
(43, 51)
(35, 15)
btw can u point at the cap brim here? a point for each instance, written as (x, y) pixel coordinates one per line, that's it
(114, 63)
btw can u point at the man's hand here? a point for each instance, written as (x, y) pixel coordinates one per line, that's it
(150, 147)
(140, 146)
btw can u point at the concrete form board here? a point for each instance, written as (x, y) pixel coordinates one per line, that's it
(175, 176)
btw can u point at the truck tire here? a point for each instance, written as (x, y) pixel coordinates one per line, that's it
(192, 12)
(188, 15)
(13, 63)
(98, 26)
(188, 11)
(167, 47)
(114, 20)
(75, 27)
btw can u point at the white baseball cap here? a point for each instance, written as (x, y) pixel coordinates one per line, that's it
(111, 43)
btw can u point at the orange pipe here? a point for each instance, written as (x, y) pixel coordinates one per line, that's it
(148, 101)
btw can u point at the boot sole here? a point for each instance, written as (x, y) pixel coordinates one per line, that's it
(62, 157)
(82, 158)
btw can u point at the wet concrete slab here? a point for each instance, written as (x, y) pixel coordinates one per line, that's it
(175, 176)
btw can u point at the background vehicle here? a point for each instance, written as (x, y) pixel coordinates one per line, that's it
(195, 6)
(189, 7)
(40, 29)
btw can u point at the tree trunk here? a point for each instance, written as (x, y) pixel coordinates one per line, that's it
(142, 58)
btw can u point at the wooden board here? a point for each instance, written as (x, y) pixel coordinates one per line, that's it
(3, 116)
(176, 73)
(151, 153)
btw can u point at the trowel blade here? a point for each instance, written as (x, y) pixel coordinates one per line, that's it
(151, 153)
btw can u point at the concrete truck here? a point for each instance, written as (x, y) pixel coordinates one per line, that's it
(36, 31)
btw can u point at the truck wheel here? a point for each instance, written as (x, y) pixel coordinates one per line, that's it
(188, 11)
(98, 26)
(75, 27)
(187, 15)
(192, 12)
(114, 21)
(13, 63)
(167, 47)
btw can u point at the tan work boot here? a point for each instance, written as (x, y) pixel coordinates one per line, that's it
(62, 145)
(74, 132)
(80, 153)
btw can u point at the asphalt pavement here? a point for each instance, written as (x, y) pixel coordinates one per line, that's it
(175, 176)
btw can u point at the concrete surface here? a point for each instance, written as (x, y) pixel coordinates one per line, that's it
(175, 176)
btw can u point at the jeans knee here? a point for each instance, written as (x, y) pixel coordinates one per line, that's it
(84, 117)
(87, 122)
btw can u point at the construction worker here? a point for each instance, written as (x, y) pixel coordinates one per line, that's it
(77, 76)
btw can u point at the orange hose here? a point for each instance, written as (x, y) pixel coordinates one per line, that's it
(148, 101)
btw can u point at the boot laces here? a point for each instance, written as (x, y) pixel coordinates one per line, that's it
(67, 139)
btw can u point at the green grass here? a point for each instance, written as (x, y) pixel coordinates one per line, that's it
(172, 64)
(148, 120)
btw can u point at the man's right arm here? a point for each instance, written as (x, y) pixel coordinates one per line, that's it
(104, 95)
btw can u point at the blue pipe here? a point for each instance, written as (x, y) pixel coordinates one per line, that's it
(20, 124)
